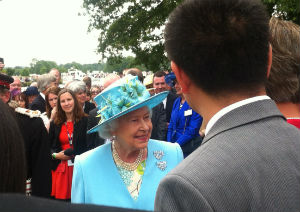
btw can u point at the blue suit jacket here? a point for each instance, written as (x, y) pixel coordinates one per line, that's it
(96, 179)
(183, 128)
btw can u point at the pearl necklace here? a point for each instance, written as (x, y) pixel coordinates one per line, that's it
(128, 166)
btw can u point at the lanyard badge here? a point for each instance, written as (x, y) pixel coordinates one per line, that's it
(70, 135)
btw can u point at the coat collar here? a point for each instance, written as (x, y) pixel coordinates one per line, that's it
(244, 115)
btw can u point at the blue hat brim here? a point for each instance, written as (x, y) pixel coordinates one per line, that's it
(150, 102)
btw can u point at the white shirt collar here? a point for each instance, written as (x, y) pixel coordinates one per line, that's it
(165, 103)
(231, 107)
(43, 95)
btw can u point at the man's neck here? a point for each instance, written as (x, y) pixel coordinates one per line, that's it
(289, 109)
(208, 105)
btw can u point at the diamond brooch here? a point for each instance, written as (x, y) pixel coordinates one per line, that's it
(158, 154)
(162, 165)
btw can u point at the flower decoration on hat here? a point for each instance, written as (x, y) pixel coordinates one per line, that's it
(124, 96)
(128, 95)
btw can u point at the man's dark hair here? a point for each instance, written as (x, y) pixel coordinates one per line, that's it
(12, 153)
(159, 74)
(136, 72)
(222, 45)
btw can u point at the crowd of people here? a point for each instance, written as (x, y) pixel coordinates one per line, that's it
(218, 133)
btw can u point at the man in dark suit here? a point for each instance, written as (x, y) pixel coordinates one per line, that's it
(158, 119)
(44, 81)
(37, 149)
(36, 142)
(249, 159)
(160, 85)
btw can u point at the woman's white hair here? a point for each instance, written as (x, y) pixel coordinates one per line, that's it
(106, 130)
(77, 86)
(44, 81)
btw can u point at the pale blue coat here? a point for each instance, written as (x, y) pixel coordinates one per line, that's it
(96, 179)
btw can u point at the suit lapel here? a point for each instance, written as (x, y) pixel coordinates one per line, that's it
(244, 115)
(76, 132)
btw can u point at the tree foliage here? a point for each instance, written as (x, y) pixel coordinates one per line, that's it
(132, 25)
(118, 64)
(43, 66)
(284, 9)
(137, 26)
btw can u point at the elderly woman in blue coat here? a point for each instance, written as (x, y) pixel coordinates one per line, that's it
(127, 171)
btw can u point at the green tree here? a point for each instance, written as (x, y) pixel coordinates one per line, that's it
(133, 26)
(284, 9)
(10, 71)
(137, 26)
(118, 64)
(41, 66)
(25, 72)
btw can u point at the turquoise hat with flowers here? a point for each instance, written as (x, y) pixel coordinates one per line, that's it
(123, 96)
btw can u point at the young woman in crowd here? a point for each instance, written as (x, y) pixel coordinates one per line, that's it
(51, 101)
(80, 90)
(68, 137)
(23, 101)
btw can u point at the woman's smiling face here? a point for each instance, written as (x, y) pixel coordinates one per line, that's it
(134, 129)
(67, 102)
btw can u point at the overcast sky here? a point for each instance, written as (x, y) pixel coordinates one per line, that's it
(46, 30)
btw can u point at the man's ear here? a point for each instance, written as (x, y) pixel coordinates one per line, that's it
(269, 60)
(181, 77)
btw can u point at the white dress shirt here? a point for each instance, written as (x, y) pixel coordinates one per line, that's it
(231, 107)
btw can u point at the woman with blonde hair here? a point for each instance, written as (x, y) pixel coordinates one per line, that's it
(283, 84)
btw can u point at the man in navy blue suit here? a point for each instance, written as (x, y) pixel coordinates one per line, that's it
(44, 81)
(160, 85)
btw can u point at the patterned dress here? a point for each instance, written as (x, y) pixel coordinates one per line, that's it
(133, 179)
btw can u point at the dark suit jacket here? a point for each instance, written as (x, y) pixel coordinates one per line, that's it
(82, 141)
(37, 148)
(248, 161)
(19, 203)
(38, 103)
(169, 105)
(93, 113)
(159, 123)
(88, 107)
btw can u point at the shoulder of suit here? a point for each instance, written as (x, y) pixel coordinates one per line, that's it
(90, 105)
(172, 95)
(29, 113)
